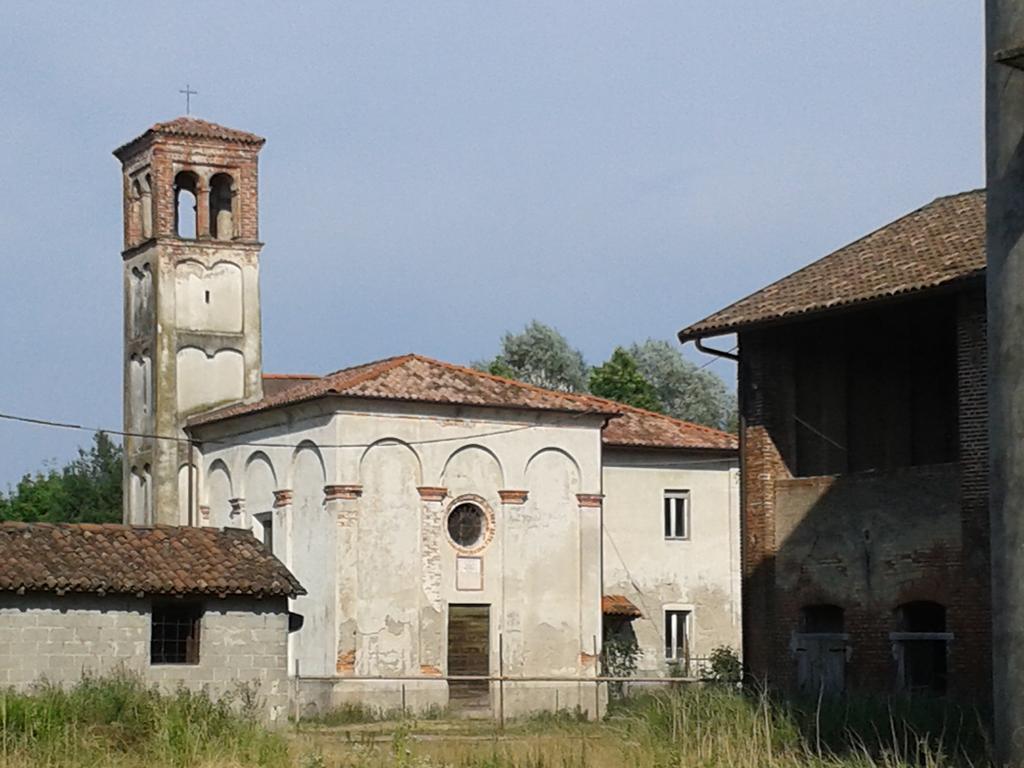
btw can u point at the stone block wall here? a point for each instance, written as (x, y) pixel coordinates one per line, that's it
(60, 638)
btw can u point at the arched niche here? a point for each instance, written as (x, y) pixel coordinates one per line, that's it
(205, 381)
(473, 469)
(260, 484)
(219, 494)
(208, 298)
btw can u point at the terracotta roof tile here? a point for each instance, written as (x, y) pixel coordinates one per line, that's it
(640, 428)
(619, 605)
(413, 378)
(193, 127)
(938, 244)
(632, 427)
(273, 383)
(125, 559)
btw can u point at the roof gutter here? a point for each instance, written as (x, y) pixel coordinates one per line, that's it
(716, 352)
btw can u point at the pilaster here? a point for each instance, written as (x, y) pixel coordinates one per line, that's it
(513, 593)
(343, 502)
(431, 655)
(590, 508)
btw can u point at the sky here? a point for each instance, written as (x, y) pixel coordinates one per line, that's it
(439, 173)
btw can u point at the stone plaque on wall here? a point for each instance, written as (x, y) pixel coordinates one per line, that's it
(469, 574)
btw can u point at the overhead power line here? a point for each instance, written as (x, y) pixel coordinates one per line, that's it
(53, 424)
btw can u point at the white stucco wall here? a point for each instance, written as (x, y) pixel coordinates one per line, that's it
(700, 574)
(379, 566)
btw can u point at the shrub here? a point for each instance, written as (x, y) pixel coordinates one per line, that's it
(725, 665)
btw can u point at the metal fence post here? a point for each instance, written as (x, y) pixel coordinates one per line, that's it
(501, 681)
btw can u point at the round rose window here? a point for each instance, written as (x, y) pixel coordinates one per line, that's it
(466, 524)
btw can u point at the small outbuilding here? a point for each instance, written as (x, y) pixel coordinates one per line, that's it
(198, 607)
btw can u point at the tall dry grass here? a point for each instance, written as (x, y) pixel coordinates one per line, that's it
(118, 721)
(708, 726)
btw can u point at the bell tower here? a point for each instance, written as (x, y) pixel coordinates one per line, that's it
(191, 301)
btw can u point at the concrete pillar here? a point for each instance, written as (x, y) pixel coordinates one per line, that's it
(343, 502)
(431, 610)
(1004, 113)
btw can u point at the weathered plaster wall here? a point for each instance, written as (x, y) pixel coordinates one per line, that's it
(366, 536)
(191, 307)
(242, 641)
(701, 574)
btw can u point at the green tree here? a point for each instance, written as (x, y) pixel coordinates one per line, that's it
(619, 379)
(86, 490)
(539, 355)
(686, 391)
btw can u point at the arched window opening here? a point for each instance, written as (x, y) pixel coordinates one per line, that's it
(146, 207)
(135, 212)
(222, 226)
(920, 647)
(821, 619)
(186, 190)
(820, 649)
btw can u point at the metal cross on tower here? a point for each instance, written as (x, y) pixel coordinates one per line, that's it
(189, 93)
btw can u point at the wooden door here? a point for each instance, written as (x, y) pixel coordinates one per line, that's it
(469, 653)
(821, 663)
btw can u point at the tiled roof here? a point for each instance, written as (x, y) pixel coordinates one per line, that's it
(637, 428)
(413, 378)
(416, 378)
(278, 382)
(936, 245)
(619, 605)
(193, 127)
(123, 559)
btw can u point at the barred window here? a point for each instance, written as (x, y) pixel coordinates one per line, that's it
(175, 634)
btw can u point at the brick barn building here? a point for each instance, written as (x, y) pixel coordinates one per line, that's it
(865, 535)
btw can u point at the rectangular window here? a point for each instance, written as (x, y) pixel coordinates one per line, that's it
(677, 635)
(265, 530)
(677, 514)
(174, 638)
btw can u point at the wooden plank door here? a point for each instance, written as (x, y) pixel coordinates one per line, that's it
(821, 664)
(469, 653)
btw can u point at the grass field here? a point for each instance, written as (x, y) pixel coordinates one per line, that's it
(118, 722)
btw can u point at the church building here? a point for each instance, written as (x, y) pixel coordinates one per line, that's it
(444, 522)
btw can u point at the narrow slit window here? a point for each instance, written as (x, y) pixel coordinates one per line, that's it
(677, 640)
(676, 507)
(266, 530)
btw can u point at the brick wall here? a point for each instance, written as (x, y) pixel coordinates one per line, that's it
(866, 541)
(59, 638)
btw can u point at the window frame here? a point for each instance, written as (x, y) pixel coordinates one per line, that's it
(165, 615)
(670, 514)
(671, 649)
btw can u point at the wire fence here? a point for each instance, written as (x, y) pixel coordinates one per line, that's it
(688, 671)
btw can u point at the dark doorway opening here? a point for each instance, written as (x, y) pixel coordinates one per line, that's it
(469, 653)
